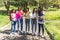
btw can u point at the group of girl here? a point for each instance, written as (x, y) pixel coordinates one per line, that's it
(16, 17)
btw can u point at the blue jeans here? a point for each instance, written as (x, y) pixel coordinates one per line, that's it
(13, 26)
(19, 25)
(21, 22)
(27, 21)
(34, 22)
(41, 26)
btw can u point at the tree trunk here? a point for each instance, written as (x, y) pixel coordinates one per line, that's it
(7, 10)
(7, 5)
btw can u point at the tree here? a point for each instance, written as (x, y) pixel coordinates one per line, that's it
(7, 5)
(22, 3)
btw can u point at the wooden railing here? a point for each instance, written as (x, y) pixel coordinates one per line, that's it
(24, 26)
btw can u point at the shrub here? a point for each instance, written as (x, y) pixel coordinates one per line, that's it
(52, 9)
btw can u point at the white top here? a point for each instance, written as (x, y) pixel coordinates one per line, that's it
(32, 15)
(13, 15)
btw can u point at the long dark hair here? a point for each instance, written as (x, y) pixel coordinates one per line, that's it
(40, 9)
(19, 8)
(26, 10)
(34, 10)
(11, 11)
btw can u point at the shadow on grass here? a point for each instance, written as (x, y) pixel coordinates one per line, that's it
(3, 12)
(50, 35)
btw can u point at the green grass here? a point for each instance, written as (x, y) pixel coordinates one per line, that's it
(54, 25)
(52, 15)
(54, 28)
(3, 20)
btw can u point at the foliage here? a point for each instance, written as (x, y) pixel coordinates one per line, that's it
(21, 3)
(52, 15)
(49, 3)
(52, 9)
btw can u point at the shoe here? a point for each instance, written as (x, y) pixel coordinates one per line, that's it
(18, 32)
(15, 33)
(38, 35)
(22, 31)
(42, 36)
(11, 34)
(33, 34)
(26, 32)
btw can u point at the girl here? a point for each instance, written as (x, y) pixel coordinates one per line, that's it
(18, 17)
(13, 21)
(41, 20)
(33, 20)
(27, 20)
(21, 20)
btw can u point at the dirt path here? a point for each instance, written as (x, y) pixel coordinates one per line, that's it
(5, 35)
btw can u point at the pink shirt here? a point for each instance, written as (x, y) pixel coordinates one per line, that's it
(18, 16)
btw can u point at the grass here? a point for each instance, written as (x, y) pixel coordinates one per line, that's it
(54, 28)
(4, 20)
(52, 15)
(54, 25)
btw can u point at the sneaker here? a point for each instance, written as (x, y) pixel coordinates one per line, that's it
(33, 34)
(22, 31)
(26, 32)
(38, 35)
(11, 34)
(15, 33)
(42, 36)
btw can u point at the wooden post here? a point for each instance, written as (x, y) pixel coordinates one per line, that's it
(37, 27)
(30, 27)
(24, 27)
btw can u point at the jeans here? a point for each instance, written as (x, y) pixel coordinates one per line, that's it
(34, 21)
(21, 21)
(41, 26)
(13, 26)
(19, 25)
(27, 21)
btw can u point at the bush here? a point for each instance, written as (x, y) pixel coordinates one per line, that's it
(52, 15)
(52, 9)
